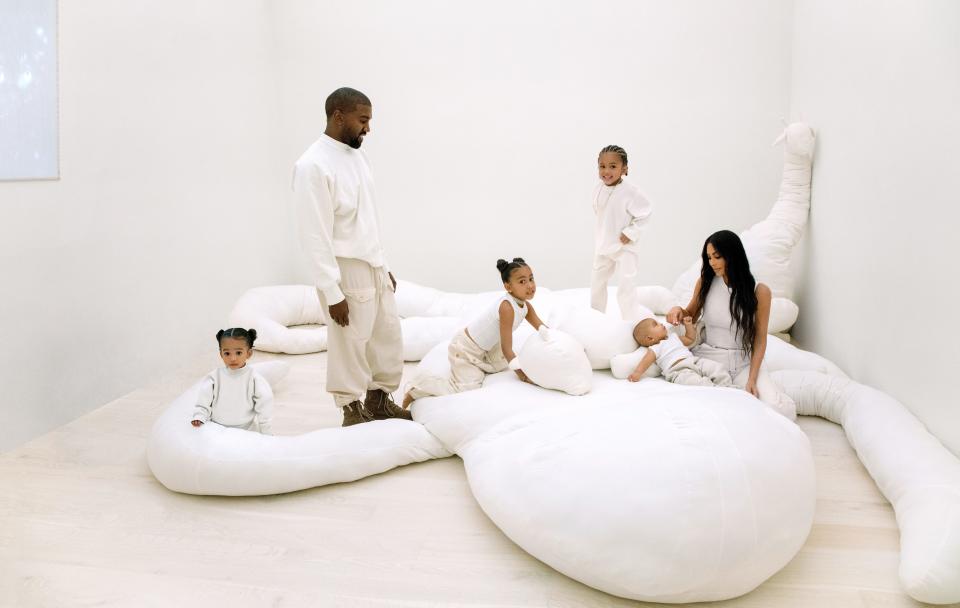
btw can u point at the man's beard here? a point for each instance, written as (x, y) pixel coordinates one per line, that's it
(355, 142)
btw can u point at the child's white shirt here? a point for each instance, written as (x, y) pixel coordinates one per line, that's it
(484, 330)
(236, 398)
(620, 209)
(670, 350)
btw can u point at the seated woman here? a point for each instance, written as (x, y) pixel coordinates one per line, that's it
(735, 311)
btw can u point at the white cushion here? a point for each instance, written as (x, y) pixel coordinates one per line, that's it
(783, 314)
(288, 318)
(658, 299)
(780, 356)
(214, 459)
(649, 491)
(602, 336)
(280, 314)
(413, 299)
(420, 334)
(554, 359)
(917, 474)
(623, 365)
(436, 362)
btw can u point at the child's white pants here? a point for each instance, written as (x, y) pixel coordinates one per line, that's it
(604, 267)
(469, 364)
(697, 371)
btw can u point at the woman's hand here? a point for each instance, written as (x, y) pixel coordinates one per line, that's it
(751, 387)
(674, 315)
(635, 377)
(624, 239)
(523, 376)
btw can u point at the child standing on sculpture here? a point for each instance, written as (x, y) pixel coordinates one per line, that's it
(235, 395)
(485, 346)
(621, 212)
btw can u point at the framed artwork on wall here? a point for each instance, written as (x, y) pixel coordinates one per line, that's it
(29, 116)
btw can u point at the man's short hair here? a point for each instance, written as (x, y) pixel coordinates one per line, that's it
(346, 100)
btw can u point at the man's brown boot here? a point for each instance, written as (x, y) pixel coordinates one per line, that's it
(355, 413)
(381, 406)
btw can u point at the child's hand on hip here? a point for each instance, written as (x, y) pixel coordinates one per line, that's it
(624, 239)
(196, 422)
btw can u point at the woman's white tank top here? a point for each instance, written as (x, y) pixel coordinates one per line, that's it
(719, 328)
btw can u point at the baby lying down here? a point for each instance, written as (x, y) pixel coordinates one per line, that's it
(670, 351)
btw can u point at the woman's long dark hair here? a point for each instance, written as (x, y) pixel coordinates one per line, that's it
(743, 298)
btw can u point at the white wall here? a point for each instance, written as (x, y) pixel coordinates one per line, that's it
(880, 80)
(170, 204)
(488, 118)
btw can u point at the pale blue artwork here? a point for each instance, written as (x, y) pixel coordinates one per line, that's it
(28, 90)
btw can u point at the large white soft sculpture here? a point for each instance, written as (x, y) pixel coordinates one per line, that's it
(658, 299)
(217, 460)
(283, 316)
(432, 316)
(783, 314)
(603, 336)
(420, 334)
(288, 318)
(414, 300)
(554, 359)
(650, 491)
(770, 242)
(436, 362)
(918, 475)
(428, 315)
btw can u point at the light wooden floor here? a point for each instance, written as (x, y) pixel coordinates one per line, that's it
(84, 523)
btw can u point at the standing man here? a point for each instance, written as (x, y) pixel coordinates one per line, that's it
(340, 233)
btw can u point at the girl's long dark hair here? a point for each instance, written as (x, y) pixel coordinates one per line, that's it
(743, 297)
